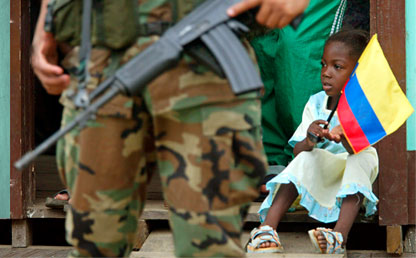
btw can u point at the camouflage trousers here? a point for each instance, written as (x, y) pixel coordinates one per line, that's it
(205, 143)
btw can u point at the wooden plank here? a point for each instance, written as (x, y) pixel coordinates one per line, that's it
(386, 19)
(38, 210)
(159, 240)
(155, 210)
(21, 233)
(21, 107)
(154, 188)
(47, 178)
(141, 254)
(411, 157)
(62, 251)
(48, 181)
(281, 255)
(5, 109)
(142, 234)
(394, 240)
(160, 244)
(410, 240)
(300, 216)
(35, 251)
(373, 254)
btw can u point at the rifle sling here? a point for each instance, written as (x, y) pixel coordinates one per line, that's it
(85, 50)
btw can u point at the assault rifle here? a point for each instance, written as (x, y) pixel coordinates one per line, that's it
(208, 26)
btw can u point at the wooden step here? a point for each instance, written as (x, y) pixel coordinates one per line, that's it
(39, 211)
(160, 244)
(156, 210)
(48, 183)
(35, 251)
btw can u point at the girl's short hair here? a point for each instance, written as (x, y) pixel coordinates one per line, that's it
(357, 40)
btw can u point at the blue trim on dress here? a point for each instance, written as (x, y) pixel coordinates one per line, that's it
(316, 211)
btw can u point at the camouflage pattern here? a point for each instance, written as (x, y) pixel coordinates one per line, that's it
(204, 141)
(109, 28)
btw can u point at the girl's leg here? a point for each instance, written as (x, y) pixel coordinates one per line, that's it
(349, 210)
(284, 198)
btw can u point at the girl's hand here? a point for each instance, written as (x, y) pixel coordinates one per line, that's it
(336, 134)
(316, 129)
(307, 144)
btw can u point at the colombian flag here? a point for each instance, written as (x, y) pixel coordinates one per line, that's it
(372, 105)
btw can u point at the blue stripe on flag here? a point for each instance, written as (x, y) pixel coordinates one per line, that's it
(363, 112)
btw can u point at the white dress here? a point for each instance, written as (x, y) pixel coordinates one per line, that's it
(327, 174)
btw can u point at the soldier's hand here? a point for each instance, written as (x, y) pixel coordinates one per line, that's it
(272, 13)
(44, 62)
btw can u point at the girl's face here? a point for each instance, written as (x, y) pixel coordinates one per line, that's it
(337, 65)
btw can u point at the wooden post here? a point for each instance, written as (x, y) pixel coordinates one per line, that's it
(410, 240)
(387, 18)
(21, 233)
(394, 240)
(411, 158)
(22, 190)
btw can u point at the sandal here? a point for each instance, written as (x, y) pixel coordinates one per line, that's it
(53, 203)
(333, 241)
(261, 235)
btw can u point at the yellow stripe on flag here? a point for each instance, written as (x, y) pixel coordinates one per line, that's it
(381, 88)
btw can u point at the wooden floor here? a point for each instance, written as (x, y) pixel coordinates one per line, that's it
(35, 251)
(54, 251)
(159, 242)
(295, 244)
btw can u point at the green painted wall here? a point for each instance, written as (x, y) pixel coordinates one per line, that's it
(411, 70)
(5, 109)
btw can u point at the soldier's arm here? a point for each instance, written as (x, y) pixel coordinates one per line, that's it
(272, 13)
(45, 57)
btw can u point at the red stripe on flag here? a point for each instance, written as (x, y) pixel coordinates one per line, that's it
(352, 129)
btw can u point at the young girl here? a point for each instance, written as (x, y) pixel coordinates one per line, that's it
(331, 180)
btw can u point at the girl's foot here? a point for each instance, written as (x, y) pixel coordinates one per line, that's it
(59, 200)
(321, 239)
(327, 241)
(267, 244)
(62, 196)
(264, 240)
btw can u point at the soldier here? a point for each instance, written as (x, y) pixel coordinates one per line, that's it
(205, 140)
